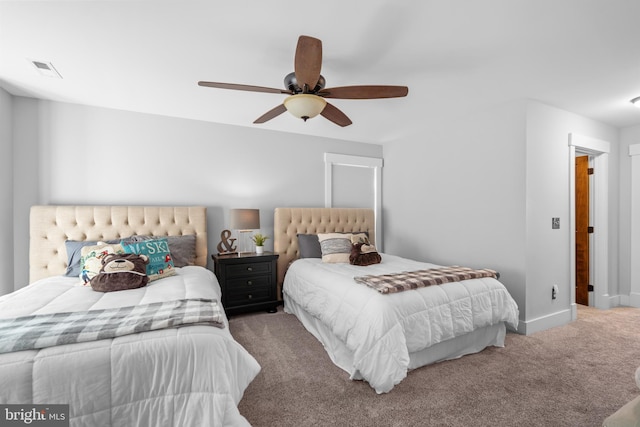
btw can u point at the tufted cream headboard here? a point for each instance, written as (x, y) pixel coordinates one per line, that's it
(50, 226)
(289, 222)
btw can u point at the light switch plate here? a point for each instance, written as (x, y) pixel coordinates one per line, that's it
(555, 223)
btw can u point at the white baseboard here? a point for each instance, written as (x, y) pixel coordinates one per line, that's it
(564, 317)
(552, 320)
(634, 300)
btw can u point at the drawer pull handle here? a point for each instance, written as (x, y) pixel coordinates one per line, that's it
(249, 296)
(249, 268)
(249, 282)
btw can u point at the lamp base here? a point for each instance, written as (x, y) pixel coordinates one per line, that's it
(244, 242)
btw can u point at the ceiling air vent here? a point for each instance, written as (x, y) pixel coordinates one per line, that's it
(45, 68)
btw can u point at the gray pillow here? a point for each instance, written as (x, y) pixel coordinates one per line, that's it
(182, 248)
(309, 246)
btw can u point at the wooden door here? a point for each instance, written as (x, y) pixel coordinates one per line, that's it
(582, 230)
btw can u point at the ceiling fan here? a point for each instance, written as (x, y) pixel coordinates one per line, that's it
(306, 88)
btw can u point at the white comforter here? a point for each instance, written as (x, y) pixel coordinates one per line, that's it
(189, 376)
(381, 330)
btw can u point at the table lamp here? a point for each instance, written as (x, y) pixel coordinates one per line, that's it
(244, 220)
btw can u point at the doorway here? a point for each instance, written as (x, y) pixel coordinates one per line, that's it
(583, 229)
(598, 150)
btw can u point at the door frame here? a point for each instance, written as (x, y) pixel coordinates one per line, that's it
(634, 277)
(375, 163)
(599, 150)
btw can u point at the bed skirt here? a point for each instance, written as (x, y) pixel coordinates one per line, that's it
(341, 356)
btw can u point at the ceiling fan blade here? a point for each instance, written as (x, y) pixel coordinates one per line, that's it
(332, 113)
(364, 92)
(274, 112)
(308, 61)
(244, 87)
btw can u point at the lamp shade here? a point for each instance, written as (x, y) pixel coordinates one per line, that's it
(305, 106)
(245, 219)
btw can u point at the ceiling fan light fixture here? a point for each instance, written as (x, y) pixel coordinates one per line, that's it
(305, 87)
(636, 101)
(305, 106)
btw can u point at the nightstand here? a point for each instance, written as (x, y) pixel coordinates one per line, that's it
(248, 281)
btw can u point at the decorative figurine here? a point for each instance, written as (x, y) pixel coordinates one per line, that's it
(226, 243)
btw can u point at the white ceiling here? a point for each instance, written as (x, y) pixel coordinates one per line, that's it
(455, 56)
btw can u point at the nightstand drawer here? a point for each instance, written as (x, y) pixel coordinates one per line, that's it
(248, 296)
(236, 270)
(249, 282)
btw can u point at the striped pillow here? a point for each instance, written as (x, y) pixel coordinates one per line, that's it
(336, 247)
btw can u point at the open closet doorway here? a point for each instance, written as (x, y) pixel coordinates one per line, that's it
(598, 151)
(583, 230)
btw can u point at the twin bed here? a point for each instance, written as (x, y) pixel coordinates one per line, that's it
(192, 375)
(374, 336)
(196, 374)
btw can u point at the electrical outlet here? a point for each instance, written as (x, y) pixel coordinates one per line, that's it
(554, 292)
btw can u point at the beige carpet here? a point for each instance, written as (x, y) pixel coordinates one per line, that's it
(575, 375)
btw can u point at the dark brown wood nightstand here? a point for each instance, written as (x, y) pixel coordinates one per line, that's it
(248, 281)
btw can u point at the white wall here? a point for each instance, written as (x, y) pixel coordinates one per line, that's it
(548, 251)
(629, 136)
(28, 163)
(481, 188)
(352, 187)
(92, 155)
(6, 192)
(455, 194)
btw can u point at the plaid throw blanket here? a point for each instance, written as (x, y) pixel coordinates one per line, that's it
(398, 282)
(47, 330)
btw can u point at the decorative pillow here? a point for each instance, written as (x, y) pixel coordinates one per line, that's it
(74, 253)
(120, 272)
(160, 262)
(336, 247)
(364, 254)
(182, 248)
(91, 259)
(309, 246)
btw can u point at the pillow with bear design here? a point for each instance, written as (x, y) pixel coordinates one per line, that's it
(160, 261)
(121, 272)
(74, 254)
(91, 259)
